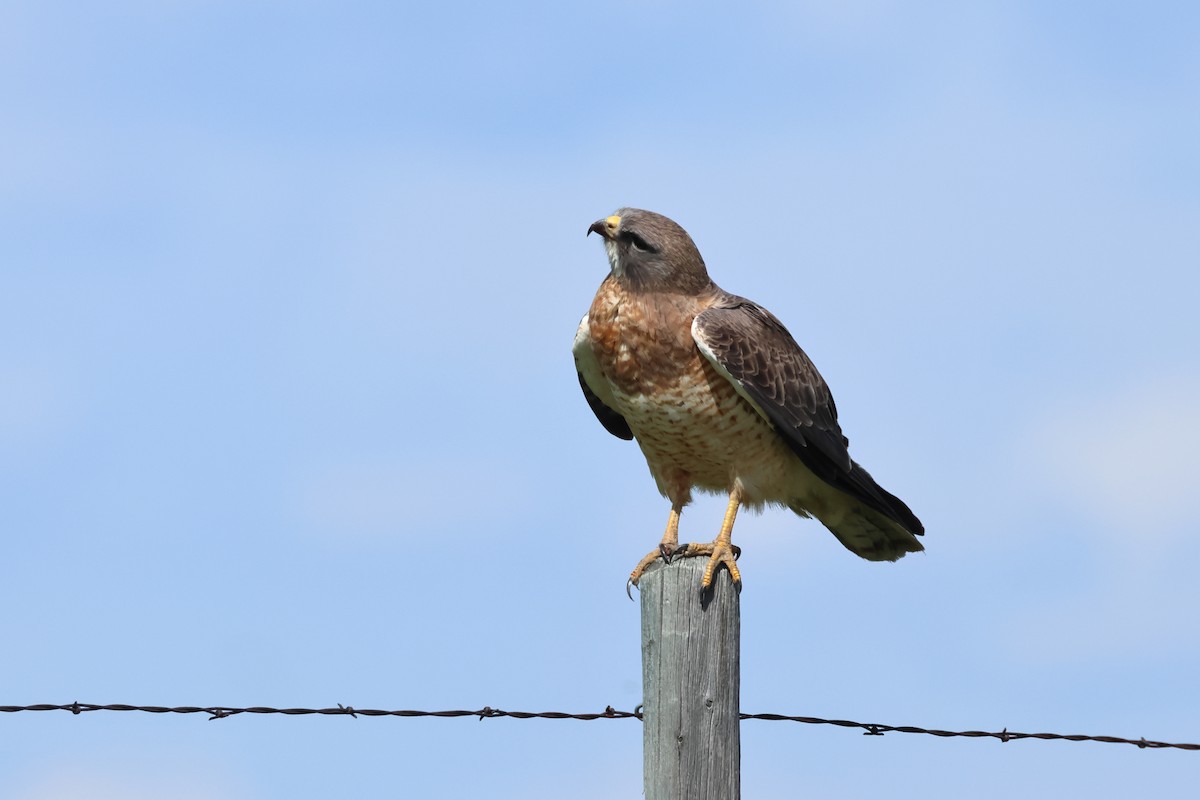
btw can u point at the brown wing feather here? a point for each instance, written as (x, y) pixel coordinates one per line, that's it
(752, 348)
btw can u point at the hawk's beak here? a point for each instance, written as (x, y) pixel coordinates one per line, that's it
(607, 227)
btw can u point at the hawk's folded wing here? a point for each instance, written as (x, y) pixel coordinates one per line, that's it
(753, 350)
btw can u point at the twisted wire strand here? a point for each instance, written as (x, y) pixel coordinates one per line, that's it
(487, 712)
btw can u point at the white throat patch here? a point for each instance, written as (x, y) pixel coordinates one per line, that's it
(614, 261)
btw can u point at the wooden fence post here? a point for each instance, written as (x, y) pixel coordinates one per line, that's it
(690, 683)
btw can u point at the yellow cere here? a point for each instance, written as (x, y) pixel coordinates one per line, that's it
(613, 222)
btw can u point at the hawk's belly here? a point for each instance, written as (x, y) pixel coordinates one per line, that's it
(697, 431)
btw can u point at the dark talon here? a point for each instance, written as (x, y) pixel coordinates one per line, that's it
(628, 591)
(666, 552)
(737, 551)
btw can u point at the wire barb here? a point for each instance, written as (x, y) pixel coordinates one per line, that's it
(869, 728)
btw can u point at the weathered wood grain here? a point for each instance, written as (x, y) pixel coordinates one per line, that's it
(690, 679)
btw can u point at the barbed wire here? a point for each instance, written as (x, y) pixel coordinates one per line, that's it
(487, 712)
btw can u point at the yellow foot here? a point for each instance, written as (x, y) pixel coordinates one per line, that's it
(718, 552)
(664, 551)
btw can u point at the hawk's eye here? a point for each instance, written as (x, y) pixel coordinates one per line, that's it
(638, 242)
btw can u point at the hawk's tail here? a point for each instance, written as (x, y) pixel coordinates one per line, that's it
(868, 534)
(877, 527)
(893, 506)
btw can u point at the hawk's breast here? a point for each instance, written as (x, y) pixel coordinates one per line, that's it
(690, 422)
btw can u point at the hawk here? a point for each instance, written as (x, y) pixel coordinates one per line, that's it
(720, 398)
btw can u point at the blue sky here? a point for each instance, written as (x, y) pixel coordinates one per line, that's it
(288, 414)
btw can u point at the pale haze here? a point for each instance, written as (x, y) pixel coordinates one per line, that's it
(288, 415)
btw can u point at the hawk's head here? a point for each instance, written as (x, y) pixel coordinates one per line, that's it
(652, 252)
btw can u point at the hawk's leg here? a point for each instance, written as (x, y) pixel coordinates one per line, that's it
(721, 550)
(666, 548)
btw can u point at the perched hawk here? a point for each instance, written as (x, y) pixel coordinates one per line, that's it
(720, 398)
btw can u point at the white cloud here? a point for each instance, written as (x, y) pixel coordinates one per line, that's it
(1129, 459)
(1126, 464)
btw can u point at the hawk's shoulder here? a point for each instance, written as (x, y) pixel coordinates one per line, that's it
(750, 347)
